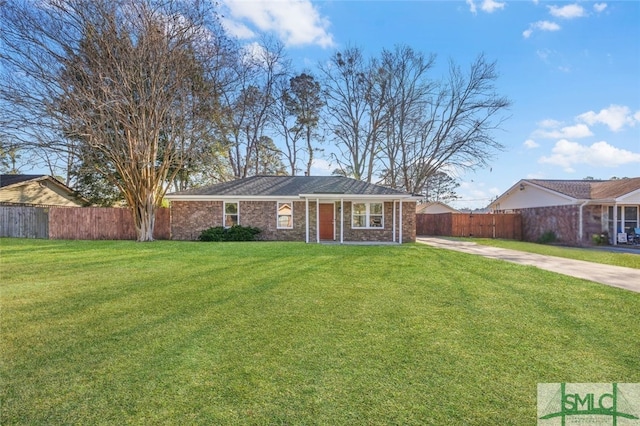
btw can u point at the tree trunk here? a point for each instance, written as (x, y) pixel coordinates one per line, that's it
(144, 219)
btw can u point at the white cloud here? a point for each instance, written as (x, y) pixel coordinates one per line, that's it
(569, 132)
(616, 117)
(474, 195)
(543, 54)
(542, 26)
(569, 11)
(566, 154)
(296, 23)
(599, 7)
(554, 59)
(546, 26)
(530, 143)
(488, 6)
(491, 6)
(472, 6)
(237, 29)
(549, 123)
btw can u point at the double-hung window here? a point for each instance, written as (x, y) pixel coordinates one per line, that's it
(367, 215)
(285, 215)
(231, 214)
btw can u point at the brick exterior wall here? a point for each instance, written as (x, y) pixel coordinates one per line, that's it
(385, 233)
(409, 222)
(592, 224)
(564, 221)
(190, 218)
(263, 215)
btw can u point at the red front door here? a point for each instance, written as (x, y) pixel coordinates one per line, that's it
(326, 221)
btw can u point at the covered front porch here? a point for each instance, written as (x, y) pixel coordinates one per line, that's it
(359, 219)
(622, 222)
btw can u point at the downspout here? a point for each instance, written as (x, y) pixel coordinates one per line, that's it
(580, 221)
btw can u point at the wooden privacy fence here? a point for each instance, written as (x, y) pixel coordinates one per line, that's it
(77, 223)
(507, 226)
(24, 222)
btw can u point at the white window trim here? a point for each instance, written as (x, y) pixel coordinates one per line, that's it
(224, 212)
(367, 215)
(278, 215)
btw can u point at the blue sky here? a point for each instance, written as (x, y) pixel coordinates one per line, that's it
(572, 70)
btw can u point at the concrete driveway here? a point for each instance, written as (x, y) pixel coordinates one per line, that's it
(615, 276)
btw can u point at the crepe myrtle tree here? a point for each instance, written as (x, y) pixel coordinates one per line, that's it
(124, 79)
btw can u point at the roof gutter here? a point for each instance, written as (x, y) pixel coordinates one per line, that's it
(362, 196)
(390, 197)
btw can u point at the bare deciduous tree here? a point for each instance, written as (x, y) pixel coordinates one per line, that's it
(457, 130)
(248, 101)
(124, 79)
(389, 118)
(356, 114)
(409, 90)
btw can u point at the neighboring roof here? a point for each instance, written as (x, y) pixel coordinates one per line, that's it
(15, 184)
(290, 186)
(574, 191)
(6, 180)
(435, 206)
(589, 189)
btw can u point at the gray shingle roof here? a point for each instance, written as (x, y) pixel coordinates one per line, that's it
(6, 180)
(590, 189)
(291, 186)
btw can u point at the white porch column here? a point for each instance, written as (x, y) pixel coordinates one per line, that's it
(317, 220)
(341, 220)
(615, 225)
(400, 233)
(306, 218)
(393, 226)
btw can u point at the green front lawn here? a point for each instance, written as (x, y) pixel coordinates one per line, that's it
(630, 260)
(287, 333)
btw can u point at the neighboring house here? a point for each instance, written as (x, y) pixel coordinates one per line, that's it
(37, 190)
(434, 207)
(575, 210)
(289, 208)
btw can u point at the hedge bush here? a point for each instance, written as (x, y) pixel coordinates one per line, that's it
(235, 233)
(548, 237)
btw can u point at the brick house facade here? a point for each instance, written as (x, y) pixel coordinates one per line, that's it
(563, 221)
(578, 212)
(384, 215)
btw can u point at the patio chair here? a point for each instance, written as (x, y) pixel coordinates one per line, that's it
(636, 236)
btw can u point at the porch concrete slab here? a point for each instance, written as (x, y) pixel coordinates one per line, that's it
(615, 276)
